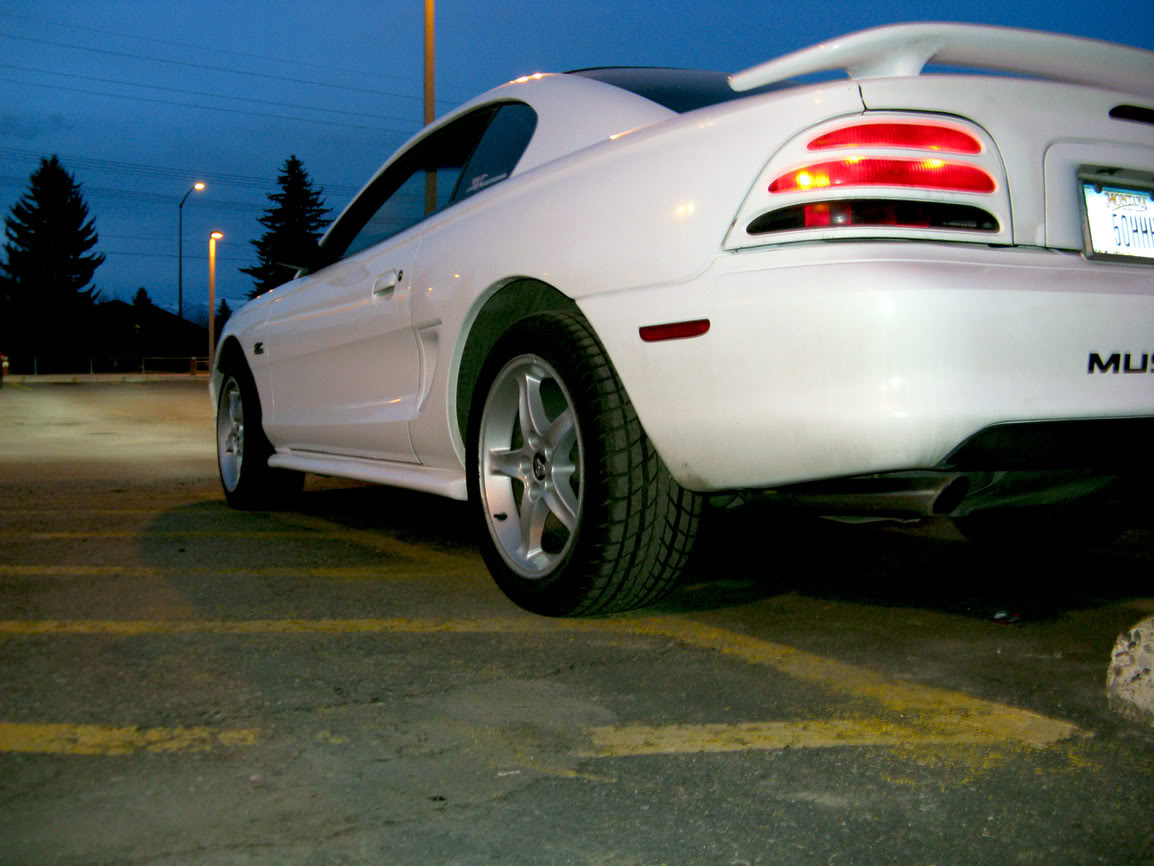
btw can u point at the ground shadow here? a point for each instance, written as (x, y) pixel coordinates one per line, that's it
(756, 552)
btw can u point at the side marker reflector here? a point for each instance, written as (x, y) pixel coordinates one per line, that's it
(674, 330)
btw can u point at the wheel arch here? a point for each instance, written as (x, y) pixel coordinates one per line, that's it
(495, 311)
(230, 353)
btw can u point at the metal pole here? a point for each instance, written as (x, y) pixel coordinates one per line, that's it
(180, 257)
(430, 110)
(180, 249)
(212, 296)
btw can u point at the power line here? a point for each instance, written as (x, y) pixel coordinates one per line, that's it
(205, 107)
(294, 61)
(201, 93)
(167, 240)
(172, 256)
(208, 67)
(149, 197)
(138, 169)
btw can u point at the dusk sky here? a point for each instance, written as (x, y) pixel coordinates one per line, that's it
(140, 99)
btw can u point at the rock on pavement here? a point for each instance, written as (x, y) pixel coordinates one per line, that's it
(1130, 681)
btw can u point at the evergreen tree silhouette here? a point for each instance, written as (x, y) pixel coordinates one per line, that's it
(48, 267)
(295, 222)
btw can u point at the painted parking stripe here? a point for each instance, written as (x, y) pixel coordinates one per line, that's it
(934, 709)
(131, 628)
(59, 739)
(380, 542)
(19, 535)
(911, 713)
(384, 571)
(614, 741)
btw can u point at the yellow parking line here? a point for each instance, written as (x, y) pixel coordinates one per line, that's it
(942, 710)
(909, 713)
(385, 571)
(18, 535)
(380, 542)
(131, 628)
(622, 740)
(106, 740)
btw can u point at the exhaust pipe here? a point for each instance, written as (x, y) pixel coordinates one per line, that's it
(902, 496)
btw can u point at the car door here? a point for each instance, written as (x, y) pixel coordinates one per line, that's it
(344, 366)
(342, 359)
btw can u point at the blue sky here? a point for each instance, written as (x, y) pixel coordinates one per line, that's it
(140, 99)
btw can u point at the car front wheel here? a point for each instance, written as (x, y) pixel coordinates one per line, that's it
(578, 513)
(243, 450)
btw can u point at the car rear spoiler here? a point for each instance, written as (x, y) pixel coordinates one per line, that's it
(903, 49)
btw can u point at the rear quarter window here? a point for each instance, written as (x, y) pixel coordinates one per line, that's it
(499, 149)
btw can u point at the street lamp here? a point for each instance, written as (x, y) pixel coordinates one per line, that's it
(212, 239)
(430, 102)
(198, 186)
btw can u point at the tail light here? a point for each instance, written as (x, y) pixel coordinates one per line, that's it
(876, 212)
(882, 174)
(869, 171)
(914, 136)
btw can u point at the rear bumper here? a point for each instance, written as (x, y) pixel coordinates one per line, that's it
(830, 360)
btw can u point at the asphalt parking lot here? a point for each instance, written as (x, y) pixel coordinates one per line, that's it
(340, 682)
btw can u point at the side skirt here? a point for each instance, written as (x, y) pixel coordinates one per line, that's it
(442, 482)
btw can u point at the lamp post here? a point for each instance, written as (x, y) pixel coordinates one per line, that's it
(198, 186)
(212, 239)
(430, 102)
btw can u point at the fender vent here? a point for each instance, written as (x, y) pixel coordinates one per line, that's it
(1133, 112)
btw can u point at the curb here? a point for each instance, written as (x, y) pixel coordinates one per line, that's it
(93, 378)
(1130, 680)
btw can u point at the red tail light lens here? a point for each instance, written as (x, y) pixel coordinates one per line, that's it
(856, 171)
(916, 136)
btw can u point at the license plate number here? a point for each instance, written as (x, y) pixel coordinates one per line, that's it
(1119, 222)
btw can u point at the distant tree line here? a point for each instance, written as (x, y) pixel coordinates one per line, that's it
(50, 309)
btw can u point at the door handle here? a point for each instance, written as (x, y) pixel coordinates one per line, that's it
(386, 283)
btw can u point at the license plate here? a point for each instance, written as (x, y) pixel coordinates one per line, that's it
(1119, 222)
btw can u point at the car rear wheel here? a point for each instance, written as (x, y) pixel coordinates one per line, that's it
(243, 450)
(578, 514)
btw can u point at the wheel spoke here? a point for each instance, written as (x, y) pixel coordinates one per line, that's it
(562, 501)
(560, 434)
(530, 408)
(534, 511)
(507, 462)
(235, 409)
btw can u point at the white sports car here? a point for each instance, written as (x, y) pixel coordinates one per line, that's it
(586, 301)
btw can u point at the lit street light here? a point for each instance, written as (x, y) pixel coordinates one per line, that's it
(212, 239)
(198, 186)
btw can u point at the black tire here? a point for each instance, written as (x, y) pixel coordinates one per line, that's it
(577, 513)
(242, 449)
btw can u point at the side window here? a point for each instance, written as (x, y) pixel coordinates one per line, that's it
(417, 184)
(407, 206)
(502, 145)
(467, 156)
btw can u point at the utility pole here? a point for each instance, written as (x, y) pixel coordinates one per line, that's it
(430, 110)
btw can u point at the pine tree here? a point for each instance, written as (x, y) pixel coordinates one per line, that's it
(141, 298)
(294, 222)
(48, 268)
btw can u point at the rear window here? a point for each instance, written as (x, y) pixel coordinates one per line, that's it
(679, 90)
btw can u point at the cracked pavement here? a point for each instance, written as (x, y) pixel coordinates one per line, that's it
(341, 682)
